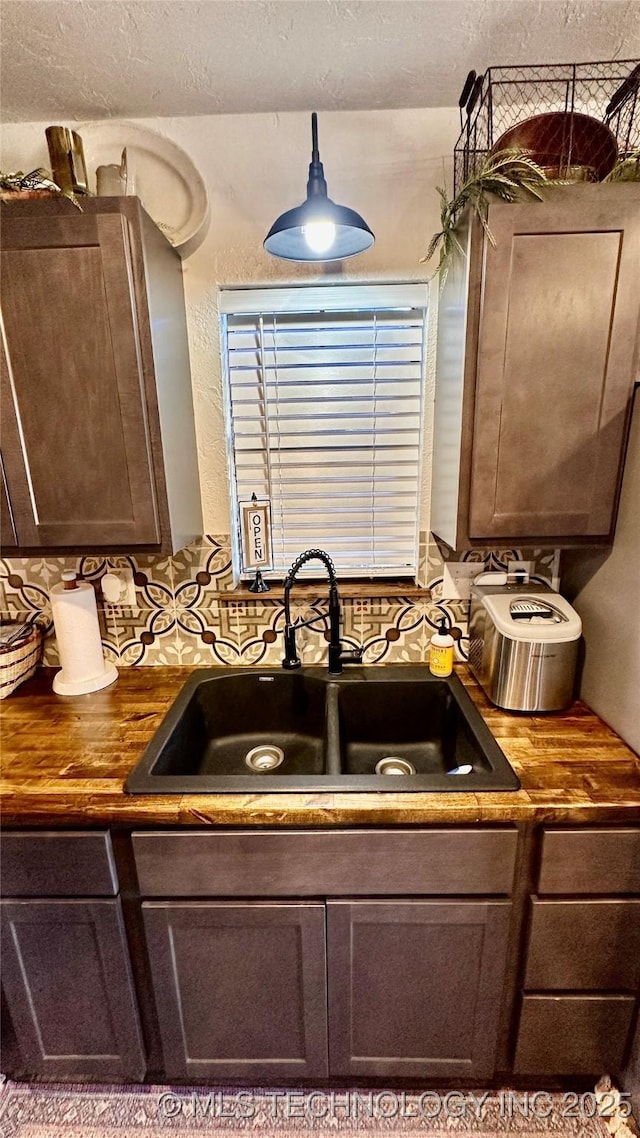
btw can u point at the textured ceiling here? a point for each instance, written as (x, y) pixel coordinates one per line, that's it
(87, 59)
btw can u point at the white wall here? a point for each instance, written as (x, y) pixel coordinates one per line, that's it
(384, 164)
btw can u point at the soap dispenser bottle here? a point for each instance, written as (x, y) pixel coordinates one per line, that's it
(441, 652)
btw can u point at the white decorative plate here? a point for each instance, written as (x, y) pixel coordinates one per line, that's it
(170, 187)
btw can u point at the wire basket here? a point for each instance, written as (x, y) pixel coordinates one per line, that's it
(565, 98)
(19, 660)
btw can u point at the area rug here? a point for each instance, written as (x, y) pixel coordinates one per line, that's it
(30, 1110)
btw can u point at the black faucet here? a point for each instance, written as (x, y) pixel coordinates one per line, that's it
(337, 656)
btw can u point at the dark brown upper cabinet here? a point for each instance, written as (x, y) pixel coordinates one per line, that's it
(98, 437)
(538, 346)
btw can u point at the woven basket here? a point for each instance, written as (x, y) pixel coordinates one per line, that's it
(19, 660)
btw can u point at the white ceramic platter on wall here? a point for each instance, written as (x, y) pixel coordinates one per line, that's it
(165, 179)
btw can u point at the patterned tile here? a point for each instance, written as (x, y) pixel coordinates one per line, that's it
(273, 652)
(258, 626)
(141, 629)
(199, 620)
(311, 640)
(25, 585)
(180, 619)
(208, 629)
(437, 558)
(109, 634)
(312, 645)
(351, 622)
(142, 633)
(398, 646)
(391, 630)
(160, 648)
(203, 565)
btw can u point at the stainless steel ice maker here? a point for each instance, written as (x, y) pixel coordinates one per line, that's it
(523, 646)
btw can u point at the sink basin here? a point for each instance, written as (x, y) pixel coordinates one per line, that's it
(226, 723)
(371, 729)
(421, 725)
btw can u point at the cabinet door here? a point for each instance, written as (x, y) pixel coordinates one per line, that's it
(557, 351)
(8, 533)
(240, 989)
(75, 439)
(67, 979)
(415, 987)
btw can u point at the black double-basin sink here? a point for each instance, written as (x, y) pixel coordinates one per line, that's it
(370, 729)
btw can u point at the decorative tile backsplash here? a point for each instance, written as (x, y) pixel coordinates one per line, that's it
(181, 618)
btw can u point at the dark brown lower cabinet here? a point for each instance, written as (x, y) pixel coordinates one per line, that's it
(67, 980)
(358, 980)
(573, 1035)
(582, 974)
(240, 988)
(415, 987)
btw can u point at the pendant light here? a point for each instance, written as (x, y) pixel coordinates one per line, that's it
(318, 230)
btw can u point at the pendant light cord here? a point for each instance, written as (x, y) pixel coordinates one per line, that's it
(316, 185)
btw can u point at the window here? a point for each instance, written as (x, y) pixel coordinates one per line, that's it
(324, 397)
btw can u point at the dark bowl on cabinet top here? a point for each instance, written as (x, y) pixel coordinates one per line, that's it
(562, 141)
(254, 731)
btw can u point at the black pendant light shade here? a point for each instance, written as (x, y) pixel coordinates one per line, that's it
(318, 230)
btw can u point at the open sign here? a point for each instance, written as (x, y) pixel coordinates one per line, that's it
(256, 535)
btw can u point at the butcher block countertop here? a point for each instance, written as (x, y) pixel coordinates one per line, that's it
(65, 760)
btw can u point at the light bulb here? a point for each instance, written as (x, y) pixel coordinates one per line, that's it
(319, 235)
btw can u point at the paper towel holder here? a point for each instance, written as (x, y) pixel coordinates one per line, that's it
(69, 680)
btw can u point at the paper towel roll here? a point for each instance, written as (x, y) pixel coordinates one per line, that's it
(75, 618)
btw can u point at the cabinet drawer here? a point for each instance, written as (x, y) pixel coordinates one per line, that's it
(573, 1035)
(584, 944)
(57, 865)
(590, 861)
(336, 863)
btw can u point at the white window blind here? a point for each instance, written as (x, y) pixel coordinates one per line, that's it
(324, 394)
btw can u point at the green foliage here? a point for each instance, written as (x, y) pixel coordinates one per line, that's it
(626, 169)
(504, 175)
(35, 180)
